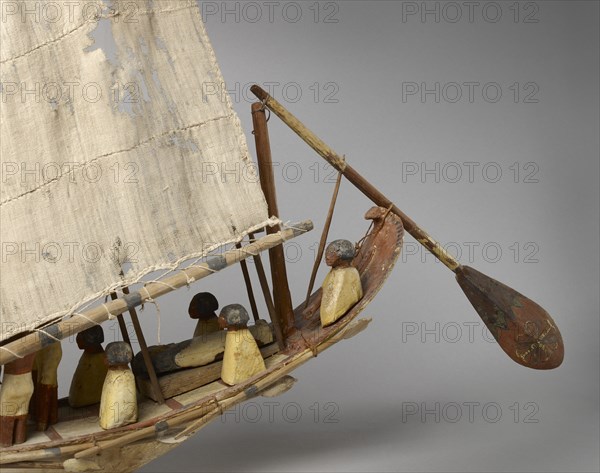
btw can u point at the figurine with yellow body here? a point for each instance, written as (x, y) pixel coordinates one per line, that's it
(46, 386)
(15, 394)
(118, 405)
(242, 358)
(342, 288)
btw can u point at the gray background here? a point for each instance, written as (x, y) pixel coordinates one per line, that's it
(370, 404)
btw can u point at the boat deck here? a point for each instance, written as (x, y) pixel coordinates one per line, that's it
(76, 422)
(77, 437)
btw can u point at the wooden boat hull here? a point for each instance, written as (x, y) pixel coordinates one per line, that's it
(80, 445)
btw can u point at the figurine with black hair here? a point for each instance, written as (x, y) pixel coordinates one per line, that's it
(87, 382)
(342, 288)
(203, 307)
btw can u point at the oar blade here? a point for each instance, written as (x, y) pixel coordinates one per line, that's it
(523, 329)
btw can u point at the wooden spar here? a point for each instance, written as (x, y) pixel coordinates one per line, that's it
(249, 290)
(313, 274)
(354, 177)
(281, 291)
(523, 329)
(375, 260)
(202, 414)
(33, 342)
(121, 320)
(264, 285)
(44, 454)
(145, 353)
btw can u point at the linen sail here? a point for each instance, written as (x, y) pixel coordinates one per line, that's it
(112, 160)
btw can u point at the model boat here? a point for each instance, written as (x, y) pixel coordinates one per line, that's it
(128, 202)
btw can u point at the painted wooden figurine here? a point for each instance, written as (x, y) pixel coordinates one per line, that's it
(203, 307)
(118, 405)
(242, 358)
(15, 394)
(198, 351)
(341, 288)
(46, 386)
(87, 382)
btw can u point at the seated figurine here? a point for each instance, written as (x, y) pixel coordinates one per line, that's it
(118, 405)
(203, 307)
(342, 287)
(15, 394)
(46, 386)
(198, 351)
(87, 382)
(242, 358)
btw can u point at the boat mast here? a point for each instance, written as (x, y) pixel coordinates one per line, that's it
(264, 285)
(281, 292)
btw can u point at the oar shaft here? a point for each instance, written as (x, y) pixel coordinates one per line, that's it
(354, 177)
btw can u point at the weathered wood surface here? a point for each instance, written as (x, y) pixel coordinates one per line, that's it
(34, 341)
(281, 292)
(323, 240)
(139, 333)
(528, 334)
(264, 286)
(374, 262)
(186, 380)
(283, 385)
(277, 372)
(368, 189)
(197, 351)
(249, 290)
(139, 443)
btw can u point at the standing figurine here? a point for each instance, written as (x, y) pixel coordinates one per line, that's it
(46, 386)
(87, 382)
(203, 307)
(118, 405)
(242, 358)
(341, 288)
(15, 394)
